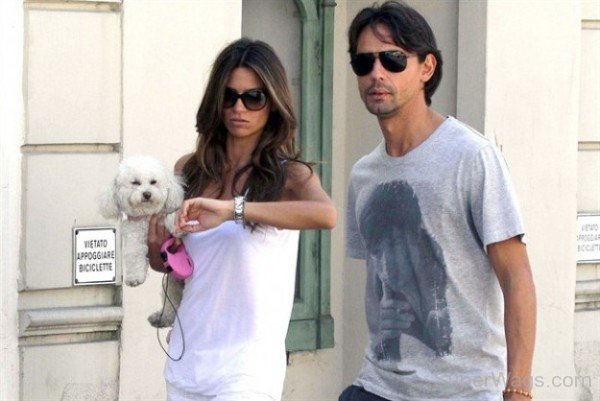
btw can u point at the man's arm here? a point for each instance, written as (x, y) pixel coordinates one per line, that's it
(511, 264)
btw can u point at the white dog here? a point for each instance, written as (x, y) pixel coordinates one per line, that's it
(142, 187)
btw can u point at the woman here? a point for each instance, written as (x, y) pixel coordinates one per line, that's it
(247, 195)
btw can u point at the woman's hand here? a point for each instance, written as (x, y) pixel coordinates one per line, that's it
(200, 214)
(157, 235)
(157, 232)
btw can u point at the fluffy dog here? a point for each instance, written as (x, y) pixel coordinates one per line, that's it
(142, 187)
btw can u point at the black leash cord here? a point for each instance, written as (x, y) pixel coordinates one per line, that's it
(165, 284)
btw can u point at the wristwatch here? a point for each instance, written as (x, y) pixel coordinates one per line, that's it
(238, 209)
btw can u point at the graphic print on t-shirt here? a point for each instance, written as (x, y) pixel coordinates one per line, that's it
(410, 273)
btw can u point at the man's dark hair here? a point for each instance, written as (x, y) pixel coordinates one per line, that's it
(409, 30)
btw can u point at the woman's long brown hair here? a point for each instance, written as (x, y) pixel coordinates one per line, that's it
(276, 145)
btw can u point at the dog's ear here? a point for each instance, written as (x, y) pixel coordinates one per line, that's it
(175, 197)
(107, 202)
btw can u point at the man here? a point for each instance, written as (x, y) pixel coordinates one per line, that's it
(450, 298)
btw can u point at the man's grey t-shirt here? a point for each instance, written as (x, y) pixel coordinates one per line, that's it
(434, 306)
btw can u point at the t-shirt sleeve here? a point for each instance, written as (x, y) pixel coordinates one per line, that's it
(355, 247)
(493, 203)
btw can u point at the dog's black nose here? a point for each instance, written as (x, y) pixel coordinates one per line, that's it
(147, 195)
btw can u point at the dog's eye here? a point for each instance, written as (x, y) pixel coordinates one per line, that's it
(136, 182)
(152, 182)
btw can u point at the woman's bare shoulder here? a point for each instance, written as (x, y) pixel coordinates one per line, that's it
(301, 181)
(297, 171)
(181, 162)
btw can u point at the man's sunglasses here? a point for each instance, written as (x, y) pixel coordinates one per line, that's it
(253, 99)
(391, 60)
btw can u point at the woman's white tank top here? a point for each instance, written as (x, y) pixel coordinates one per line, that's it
(235, 311)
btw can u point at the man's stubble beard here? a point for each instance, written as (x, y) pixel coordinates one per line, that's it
(382, 110)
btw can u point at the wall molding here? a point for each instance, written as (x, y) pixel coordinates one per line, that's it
(588, 146)
(590, 24)
(587, 295)
(72, 148)
(54, 321)
(74, 5)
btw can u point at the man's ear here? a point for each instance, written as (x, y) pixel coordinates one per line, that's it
(428, 67)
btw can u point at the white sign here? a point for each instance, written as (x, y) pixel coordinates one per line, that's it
(588, 238)
(94, 255)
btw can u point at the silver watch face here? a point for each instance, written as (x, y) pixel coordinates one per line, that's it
(238, 209)
(238, 204)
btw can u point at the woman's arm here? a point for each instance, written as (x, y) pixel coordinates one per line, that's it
(305, 204)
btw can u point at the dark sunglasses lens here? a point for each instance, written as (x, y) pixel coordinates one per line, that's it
(362, 64)
(229, 98)
(254, 99)
(393, 61)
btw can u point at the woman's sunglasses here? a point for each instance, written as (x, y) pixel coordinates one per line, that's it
(391, 60)
(253, 99)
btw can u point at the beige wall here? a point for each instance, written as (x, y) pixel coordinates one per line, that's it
(101, 82)
(532, 111)
(361, 135)
(168, 51)
(501, 74)
(587, 295)
(11, 138)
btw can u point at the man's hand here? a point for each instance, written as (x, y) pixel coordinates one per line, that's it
(395, 316)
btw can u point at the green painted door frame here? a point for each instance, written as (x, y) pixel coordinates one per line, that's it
(311, 326)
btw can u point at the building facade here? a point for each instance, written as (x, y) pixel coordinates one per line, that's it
(86, 83)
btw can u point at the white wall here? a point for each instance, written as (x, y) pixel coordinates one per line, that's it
(587, 297)
(168, 50)
(531, 108)
(362, 134)
(526, 96)
(11, 138)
